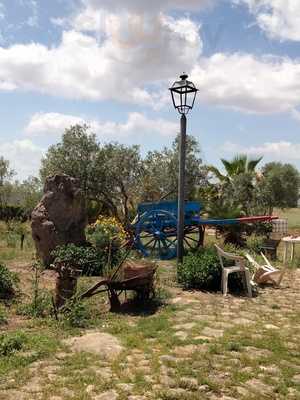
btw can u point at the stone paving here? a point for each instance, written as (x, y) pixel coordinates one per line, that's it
(210, 347)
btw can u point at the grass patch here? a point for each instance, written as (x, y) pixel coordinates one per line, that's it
(20, 348)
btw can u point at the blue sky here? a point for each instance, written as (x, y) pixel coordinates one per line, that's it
(110, 62)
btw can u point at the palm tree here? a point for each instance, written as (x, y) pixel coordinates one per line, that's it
(240, 164)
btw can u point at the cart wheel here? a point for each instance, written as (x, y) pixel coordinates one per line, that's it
(193, 237)
(156, 235)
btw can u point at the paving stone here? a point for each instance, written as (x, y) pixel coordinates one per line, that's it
(102, 344)
(168, 358)
(258, 386)
(181, 335)
(271, 326)
(125, 387)
(166, 380)
(188, 326)
(215, 333)
(296, 379)
(110, 395)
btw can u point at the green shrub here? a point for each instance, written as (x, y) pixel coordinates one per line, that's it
(255, 243)
(3, 318)
(8, 282)
(200, 270)
(107, 236)
(11, 343)
(39, 307)
(76, 313)
(86, 260)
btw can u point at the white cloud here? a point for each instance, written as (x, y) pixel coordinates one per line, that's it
(244, 82)
(132, 56)
(279, 18)
(149, 6)
(50, 124)
(54, 124)
(279, 151)
(119, 65)
(24, 157)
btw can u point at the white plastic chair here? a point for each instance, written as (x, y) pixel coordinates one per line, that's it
(238, 266)
(266, 273)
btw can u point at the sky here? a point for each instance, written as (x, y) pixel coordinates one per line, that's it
(109, 63)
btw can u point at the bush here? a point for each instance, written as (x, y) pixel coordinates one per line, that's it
(85, 260)
(255, 243)
(39, 307)
(76, 313)
(200, 270)
(8, 282)
(11, 343)
(107, 236)
(3, 317)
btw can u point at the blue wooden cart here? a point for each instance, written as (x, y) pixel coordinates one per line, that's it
(155, 227)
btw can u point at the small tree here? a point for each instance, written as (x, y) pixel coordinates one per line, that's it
(282, 183)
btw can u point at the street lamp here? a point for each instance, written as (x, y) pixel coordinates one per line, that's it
(183, 95)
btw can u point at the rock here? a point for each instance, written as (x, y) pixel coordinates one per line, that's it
(166, 380)
(60, 217)
(104, 344)
(110, 395)
(90, 389)
(182, 335)
(216, 333)
(125, 387)
(296, 379)
(258, 386)
(188, 326)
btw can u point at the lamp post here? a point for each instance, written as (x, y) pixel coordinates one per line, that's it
(183, 95)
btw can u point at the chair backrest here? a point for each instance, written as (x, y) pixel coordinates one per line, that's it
(229, 256)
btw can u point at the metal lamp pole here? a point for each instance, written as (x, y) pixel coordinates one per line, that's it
(183, 95)
(181, 188)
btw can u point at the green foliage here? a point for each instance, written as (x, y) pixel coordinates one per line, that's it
(255, 243)
(11, 343)
(200, 270)
(40, 304)
(160, 179)
(3, 316)
(76, 313)
(239, 165)
(114, 177)
(8, 282)
(282, 184)
(84, 260)
(12, 212)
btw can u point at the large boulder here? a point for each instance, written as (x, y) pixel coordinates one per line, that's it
(60, 217)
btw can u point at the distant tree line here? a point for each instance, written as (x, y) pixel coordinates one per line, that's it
(115, 178)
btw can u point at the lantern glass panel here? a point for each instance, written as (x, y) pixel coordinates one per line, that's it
(183, 95)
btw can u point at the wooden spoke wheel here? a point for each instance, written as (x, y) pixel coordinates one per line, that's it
(193, 237)
(156, 235)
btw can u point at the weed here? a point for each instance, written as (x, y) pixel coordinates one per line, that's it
(11, 342)
(8, 282)
(76, 313)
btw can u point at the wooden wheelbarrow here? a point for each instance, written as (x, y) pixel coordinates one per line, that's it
(130, 275)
